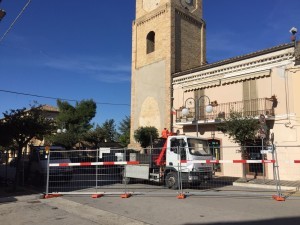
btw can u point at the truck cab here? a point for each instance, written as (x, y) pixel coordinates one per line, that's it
(178, 155)
(183, 154)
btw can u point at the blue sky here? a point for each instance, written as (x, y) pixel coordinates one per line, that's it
(74, 49)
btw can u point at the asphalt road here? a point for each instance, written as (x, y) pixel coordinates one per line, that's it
(222, 206)
(214, 203)
(209, 207)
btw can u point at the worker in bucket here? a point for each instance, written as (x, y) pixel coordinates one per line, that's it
(165, 133)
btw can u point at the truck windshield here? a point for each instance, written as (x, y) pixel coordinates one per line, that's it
(198, 146)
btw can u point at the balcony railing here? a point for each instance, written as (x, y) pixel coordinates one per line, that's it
(253, 107)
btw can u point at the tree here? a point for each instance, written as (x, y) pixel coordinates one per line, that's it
(95, 136)
(104, 133)
(21, 126)
(109, 131)
(124, 129)
(144, 135)
(241, 130)
(76, 120)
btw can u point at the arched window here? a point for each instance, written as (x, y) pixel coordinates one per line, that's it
(150, 42)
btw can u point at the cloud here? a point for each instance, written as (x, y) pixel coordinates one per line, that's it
(225, 44)
(112, 78)
(106, 70)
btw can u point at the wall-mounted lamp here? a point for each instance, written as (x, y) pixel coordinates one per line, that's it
(212, 134)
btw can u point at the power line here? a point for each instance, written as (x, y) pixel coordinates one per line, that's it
(12, 24)
(63, 99)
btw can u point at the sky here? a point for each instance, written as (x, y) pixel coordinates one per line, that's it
(78, 50)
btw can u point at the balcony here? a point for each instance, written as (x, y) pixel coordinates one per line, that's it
(253, 107)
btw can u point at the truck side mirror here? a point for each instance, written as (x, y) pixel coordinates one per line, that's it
(173, 139)
(183, 144)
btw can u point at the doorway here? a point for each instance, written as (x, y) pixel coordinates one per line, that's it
(215, 149)
(253, 152)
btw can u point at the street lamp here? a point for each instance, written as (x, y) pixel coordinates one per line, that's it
(2, 14)
(62, 129)
(185, 111)
(59, 131)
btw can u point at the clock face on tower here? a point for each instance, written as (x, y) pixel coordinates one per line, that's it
(149, 5)
(188, 4)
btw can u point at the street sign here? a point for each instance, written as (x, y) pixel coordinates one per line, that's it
(262, 132)
(264, 151)
(262, 119)
(263, 128)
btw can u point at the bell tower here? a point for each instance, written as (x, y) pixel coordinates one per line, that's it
(168, 36)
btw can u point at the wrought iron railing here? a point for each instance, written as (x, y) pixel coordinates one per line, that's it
(253, 107)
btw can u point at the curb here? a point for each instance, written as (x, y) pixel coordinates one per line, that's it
(264, 186)
(21, 198)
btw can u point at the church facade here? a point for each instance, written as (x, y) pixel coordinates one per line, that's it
(169, 73)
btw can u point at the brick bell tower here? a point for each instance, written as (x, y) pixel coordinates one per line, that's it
(168, 36)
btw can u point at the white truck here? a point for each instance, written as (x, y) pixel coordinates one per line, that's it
(176, 154)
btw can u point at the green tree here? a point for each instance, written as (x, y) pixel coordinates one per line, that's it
(143, 135)
(124, 129)
(95, 136)
(20, 126)
(76, 120)
(104, 133)
(241, 130)
(109, 131)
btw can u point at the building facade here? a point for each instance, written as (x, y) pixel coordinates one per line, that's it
(169, 73)
(263, 83)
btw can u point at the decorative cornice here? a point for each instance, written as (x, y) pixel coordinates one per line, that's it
(221, 71)
(148, 18)
(235, 59)
(189, 18)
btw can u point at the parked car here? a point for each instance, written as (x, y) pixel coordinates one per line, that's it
(38, 164)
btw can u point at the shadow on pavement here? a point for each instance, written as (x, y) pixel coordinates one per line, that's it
(277, 221)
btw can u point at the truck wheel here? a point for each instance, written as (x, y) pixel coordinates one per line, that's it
(172, 180)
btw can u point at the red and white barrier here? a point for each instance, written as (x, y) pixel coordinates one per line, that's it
(182, 161)
(93, 164)
(227, 161)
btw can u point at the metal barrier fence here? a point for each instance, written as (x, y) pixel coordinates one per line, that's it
(168, 171)
(8, 164)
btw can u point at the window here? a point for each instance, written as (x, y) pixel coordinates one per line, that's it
(150, 42)
(198, 147)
